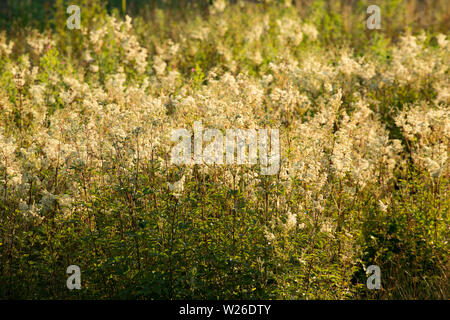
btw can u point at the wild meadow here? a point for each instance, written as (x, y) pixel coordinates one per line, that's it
(87, 176)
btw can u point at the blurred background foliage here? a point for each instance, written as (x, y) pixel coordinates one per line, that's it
(340, 23)
(340, 20)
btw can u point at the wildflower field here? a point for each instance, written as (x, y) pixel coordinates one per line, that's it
(361, 171)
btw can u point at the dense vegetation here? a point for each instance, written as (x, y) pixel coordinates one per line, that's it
(86, 118)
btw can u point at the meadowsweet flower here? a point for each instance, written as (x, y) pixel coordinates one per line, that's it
(382, 206)
(442, 40)
(291, 221)
(48, 202)
(177, 187)
(159, 65)
(310, 31)
(5, 48)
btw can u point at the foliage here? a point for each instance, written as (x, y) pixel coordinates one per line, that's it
(85, 123)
